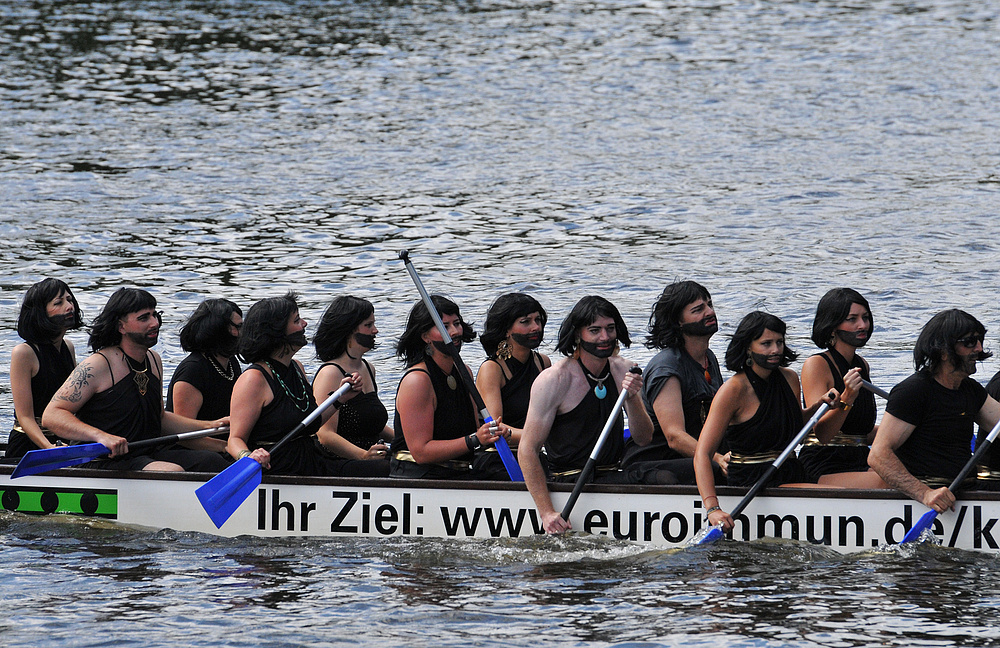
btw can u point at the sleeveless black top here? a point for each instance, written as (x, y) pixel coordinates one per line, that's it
(454, 417)
(285, 410)
(204, 375)
(575, 432)
(362, 418)
(123, 410)
(54, 367)
(517, 390)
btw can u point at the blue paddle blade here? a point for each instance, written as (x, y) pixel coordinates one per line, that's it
(44, 460)
(509, 460)
(917, 530)
(223, 494)
(715, 533)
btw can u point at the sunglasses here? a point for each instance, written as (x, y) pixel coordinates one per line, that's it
(970, 341)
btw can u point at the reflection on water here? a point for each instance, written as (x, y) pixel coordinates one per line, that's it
(770, 150)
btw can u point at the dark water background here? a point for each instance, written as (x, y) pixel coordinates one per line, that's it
(770, 150)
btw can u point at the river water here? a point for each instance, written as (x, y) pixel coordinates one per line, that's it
(770, 150)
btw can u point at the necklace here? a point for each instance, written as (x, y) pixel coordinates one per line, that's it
(452, 383)
(230, 372)
(303, 399)
(141, 378)
(600, 390)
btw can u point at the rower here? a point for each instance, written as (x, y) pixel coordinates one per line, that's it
(757, 411)
(115, 396)
(515, 327)
(570, 403)
(680, 381)
(924, 439)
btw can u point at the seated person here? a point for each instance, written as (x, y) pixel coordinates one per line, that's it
(925, 437)
(437, 427)
(42, 363)
(273, 396)
(115, 396)
(515, 326)
(757, 411)
(571, 403)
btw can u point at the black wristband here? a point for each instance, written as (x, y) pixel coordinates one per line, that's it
(473, 443)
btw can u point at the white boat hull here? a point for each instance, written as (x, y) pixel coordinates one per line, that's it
(660, 517)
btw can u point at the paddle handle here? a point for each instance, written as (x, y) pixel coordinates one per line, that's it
(174, 438)
(878, 391)
(508, 458)
(313, 415)
(590, 466)
(773, 468)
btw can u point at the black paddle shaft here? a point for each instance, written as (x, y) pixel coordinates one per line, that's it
(591, 465)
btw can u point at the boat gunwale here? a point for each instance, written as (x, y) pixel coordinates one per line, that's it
(430, 484)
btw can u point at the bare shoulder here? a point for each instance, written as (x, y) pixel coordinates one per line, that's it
(814, 364)
(24, 355)
(546, 361)
(790, 376)
(490, 370)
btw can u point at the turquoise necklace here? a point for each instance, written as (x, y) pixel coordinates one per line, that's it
(301, 402)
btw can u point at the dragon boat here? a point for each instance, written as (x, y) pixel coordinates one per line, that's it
(655, 516)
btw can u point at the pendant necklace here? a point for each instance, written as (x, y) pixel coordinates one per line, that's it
(452, 383)
(141, 378)
(600, 390)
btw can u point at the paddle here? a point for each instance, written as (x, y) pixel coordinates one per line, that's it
(509, 461)
(222, 495)
(716, 532)
(927, 518)
(878, 391)
(588, 468)
(44, 460)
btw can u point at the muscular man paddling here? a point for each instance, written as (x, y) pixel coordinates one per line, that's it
(570, 403)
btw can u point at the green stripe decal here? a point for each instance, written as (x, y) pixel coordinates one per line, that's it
(82, 501)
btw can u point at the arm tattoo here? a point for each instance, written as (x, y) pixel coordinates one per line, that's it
(76, 382)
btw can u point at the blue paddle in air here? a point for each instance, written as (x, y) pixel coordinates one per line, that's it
(222, 495)
(508, 458)
(591, 465)
(927, 519)
(46, 459)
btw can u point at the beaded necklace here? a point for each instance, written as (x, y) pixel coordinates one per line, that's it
(296, 400)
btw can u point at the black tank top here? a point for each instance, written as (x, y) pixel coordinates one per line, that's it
(54, 367)
(123, 410)
(517, 390)
(575, 432)
(861, 418)
(362, 418)
(454, 417)
(285, 410)
(776, 422)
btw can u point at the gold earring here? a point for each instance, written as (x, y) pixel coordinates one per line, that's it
(503, 350)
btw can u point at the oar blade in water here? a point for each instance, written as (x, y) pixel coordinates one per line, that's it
(713, 534)
(223, 494)
(917, 530)
(44, 460)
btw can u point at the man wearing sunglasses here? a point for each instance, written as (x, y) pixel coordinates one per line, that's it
(115, 396)
(925, 436)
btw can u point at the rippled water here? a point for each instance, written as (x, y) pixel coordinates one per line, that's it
(770, 150)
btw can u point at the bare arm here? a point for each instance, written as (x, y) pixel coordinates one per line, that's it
(892, 433)
(640, 425)
(546, 394)
(327, 381)
(725, 407)
(23, 366)
(250, 394)
(88, 378)
(816, 383)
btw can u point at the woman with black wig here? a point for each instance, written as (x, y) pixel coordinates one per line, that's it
(756, 411)
(40, 365)
(515, 326)
(436, 424)
(836, 454)
(273, 396)
(357, 429)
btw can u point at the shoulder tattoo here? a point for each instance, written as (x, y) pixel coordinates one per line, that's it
(76, 382)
